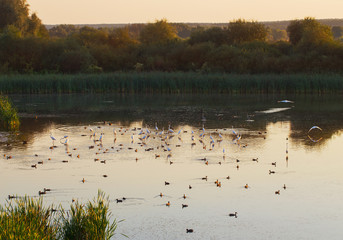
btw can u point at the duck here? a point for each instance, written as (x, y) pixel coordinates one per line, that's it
(284, 186)
(105, 175)
(233, 214)
(204, 178)
(277, 192)
(228, 177)
(189, 186)
(184, 205)
(166, 183)
(47, 189)
(189, 230)
(119, 200)
(11, 196)
(271, 172)
(255, 159)
(274, 164)
(41, 192)
(34, 166)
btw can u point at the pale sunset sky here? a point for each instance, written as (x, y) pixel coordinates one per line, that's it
(211, 11)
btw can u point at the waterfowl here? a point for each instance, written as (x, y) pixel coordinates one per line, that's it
(190, 187)
(104, 175)
(119, 200)
(168, 204)
(103, 161)
(204, 178)
(166, 183)
(41, 192)
(11, 196)
(189, 230)
(233, 214)
(184, 205)
(170, 162)
(237, 160)
(47, 189)
(40, 162)
(64, 161)
(277, 192)
(255, 159)
(34, 166)
(271, 172)
(284, 186)
(274, 164)
(228, 177)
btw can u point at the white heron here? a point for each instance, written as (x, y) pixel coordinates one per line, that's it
(53, 139)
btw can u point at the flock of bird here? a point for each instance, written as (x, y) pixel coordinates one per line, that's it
(162, 146)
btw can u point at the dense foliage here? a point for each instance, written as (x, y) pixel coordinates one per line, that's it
(239, 47)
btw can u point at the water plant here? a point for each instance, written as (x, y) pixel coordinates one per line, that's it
(27, 218)
(8, 114)
(172, 82)
(88, 221)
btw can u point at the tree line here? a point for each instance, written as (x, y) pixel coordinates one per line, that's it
(26, 46)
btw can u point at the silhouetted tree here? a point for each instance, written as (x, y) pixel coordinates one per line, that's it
(160, 32)
(16, 13)
(308, 31)
(241, 31)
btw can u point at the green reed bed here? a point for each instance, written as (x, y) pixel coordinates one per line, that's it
(9, 119)
(26, 218)
(174, 82)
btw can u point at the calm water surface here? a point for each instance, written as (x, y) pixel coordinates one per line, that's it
(309, 208)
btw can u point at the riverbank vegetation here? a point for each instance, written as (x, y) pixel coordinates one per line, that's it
(28, 218)
(172, 82)
(306, 57)
(9, 119)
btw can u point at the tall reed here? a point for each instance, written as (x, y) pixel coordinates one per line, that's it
(172, 82)
(8, 114)
(88, 222)
(27, 219)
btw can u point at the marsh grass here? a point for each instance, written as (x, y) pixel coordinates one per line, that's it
(8, 114)
(27, 219)
(88, 221)
(172, 82)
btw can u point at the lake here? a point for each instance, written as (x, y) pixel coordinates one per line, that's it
(251, 154)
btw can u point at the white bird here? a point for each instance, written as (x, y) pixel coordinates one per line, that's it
(52, 138)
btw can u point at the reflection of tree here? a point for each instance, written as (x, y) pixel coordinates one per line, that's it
(179, 110)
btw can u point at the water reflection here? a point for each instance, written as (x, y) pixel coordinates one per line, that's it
(273, 151)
